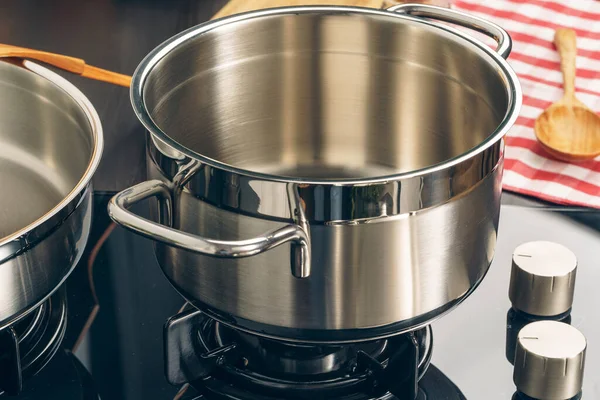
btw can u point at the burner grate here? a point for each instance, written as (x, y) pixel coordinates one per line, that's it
(219, 359)
(29, 344)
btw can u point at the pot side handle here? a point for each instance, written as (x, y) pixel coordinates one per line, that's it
(459, 18)
(119, 212)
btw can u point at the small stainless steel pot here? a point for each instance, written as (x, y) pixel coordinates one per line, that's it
(325, 174)
(50, 146)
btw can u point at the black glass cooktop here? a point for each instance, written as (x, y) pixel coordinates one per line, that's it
(118, 302)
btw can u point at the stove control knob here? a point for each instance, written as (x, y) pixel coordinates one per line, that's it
(542, 279)
(549, 360)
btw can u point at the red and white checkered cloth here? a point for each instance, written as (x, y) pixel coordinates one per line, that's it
(531, 24)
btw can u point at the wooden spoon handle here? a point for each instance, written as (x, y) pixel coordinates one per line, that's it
(100, 74)
(566, 44)
(71, 64)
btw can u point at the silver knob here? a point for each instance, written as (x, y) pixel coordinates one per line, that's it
(549, 360)
(542, 279)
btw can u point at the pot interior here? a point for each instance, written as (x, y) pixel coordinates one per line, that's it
(46, 144)
(327, 95)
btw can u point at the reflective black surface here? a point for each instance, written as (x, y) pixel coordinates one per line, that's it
(63, 378)
(11, 374)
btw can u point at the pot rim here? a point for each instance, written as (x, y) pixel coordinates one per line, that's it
(96, 129)
(155, 56)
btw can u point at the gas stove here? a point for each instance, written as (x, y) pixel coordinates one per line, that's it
(147, 343)
(220, 362)
(542, 350)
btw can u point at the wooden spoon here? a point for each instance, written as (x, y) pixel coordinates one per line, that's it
(71, 64)
(568, 129)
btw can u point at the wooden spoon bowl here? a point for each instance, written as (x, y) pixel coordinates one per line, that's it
(569, 133)
(568, 129)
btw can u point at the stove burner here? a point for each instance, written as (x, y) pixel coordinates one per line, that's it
(277, 358)
(222, 361)
(29, 344)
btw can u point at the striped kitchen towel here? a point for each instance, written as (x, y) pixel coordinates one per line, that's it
(531, 24)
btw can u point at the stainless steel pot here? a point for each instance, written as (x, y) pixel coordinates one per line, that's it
(325, 174)
(50, 146)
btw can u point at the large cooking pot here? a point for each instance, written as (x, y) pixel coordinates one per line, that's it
(324, 174)
(50, 146)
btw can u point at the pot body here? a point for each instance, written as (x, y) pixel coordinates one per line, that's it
(50, 146)
(38, 269)
(370, 279)
(324, 174)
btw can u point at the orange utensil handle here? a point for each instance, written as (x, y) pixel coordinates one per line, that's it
(70, 64)
(100, 74)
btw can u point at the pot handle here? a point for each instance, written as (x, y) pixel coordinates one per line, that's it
(118, 211)
(459, 18)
